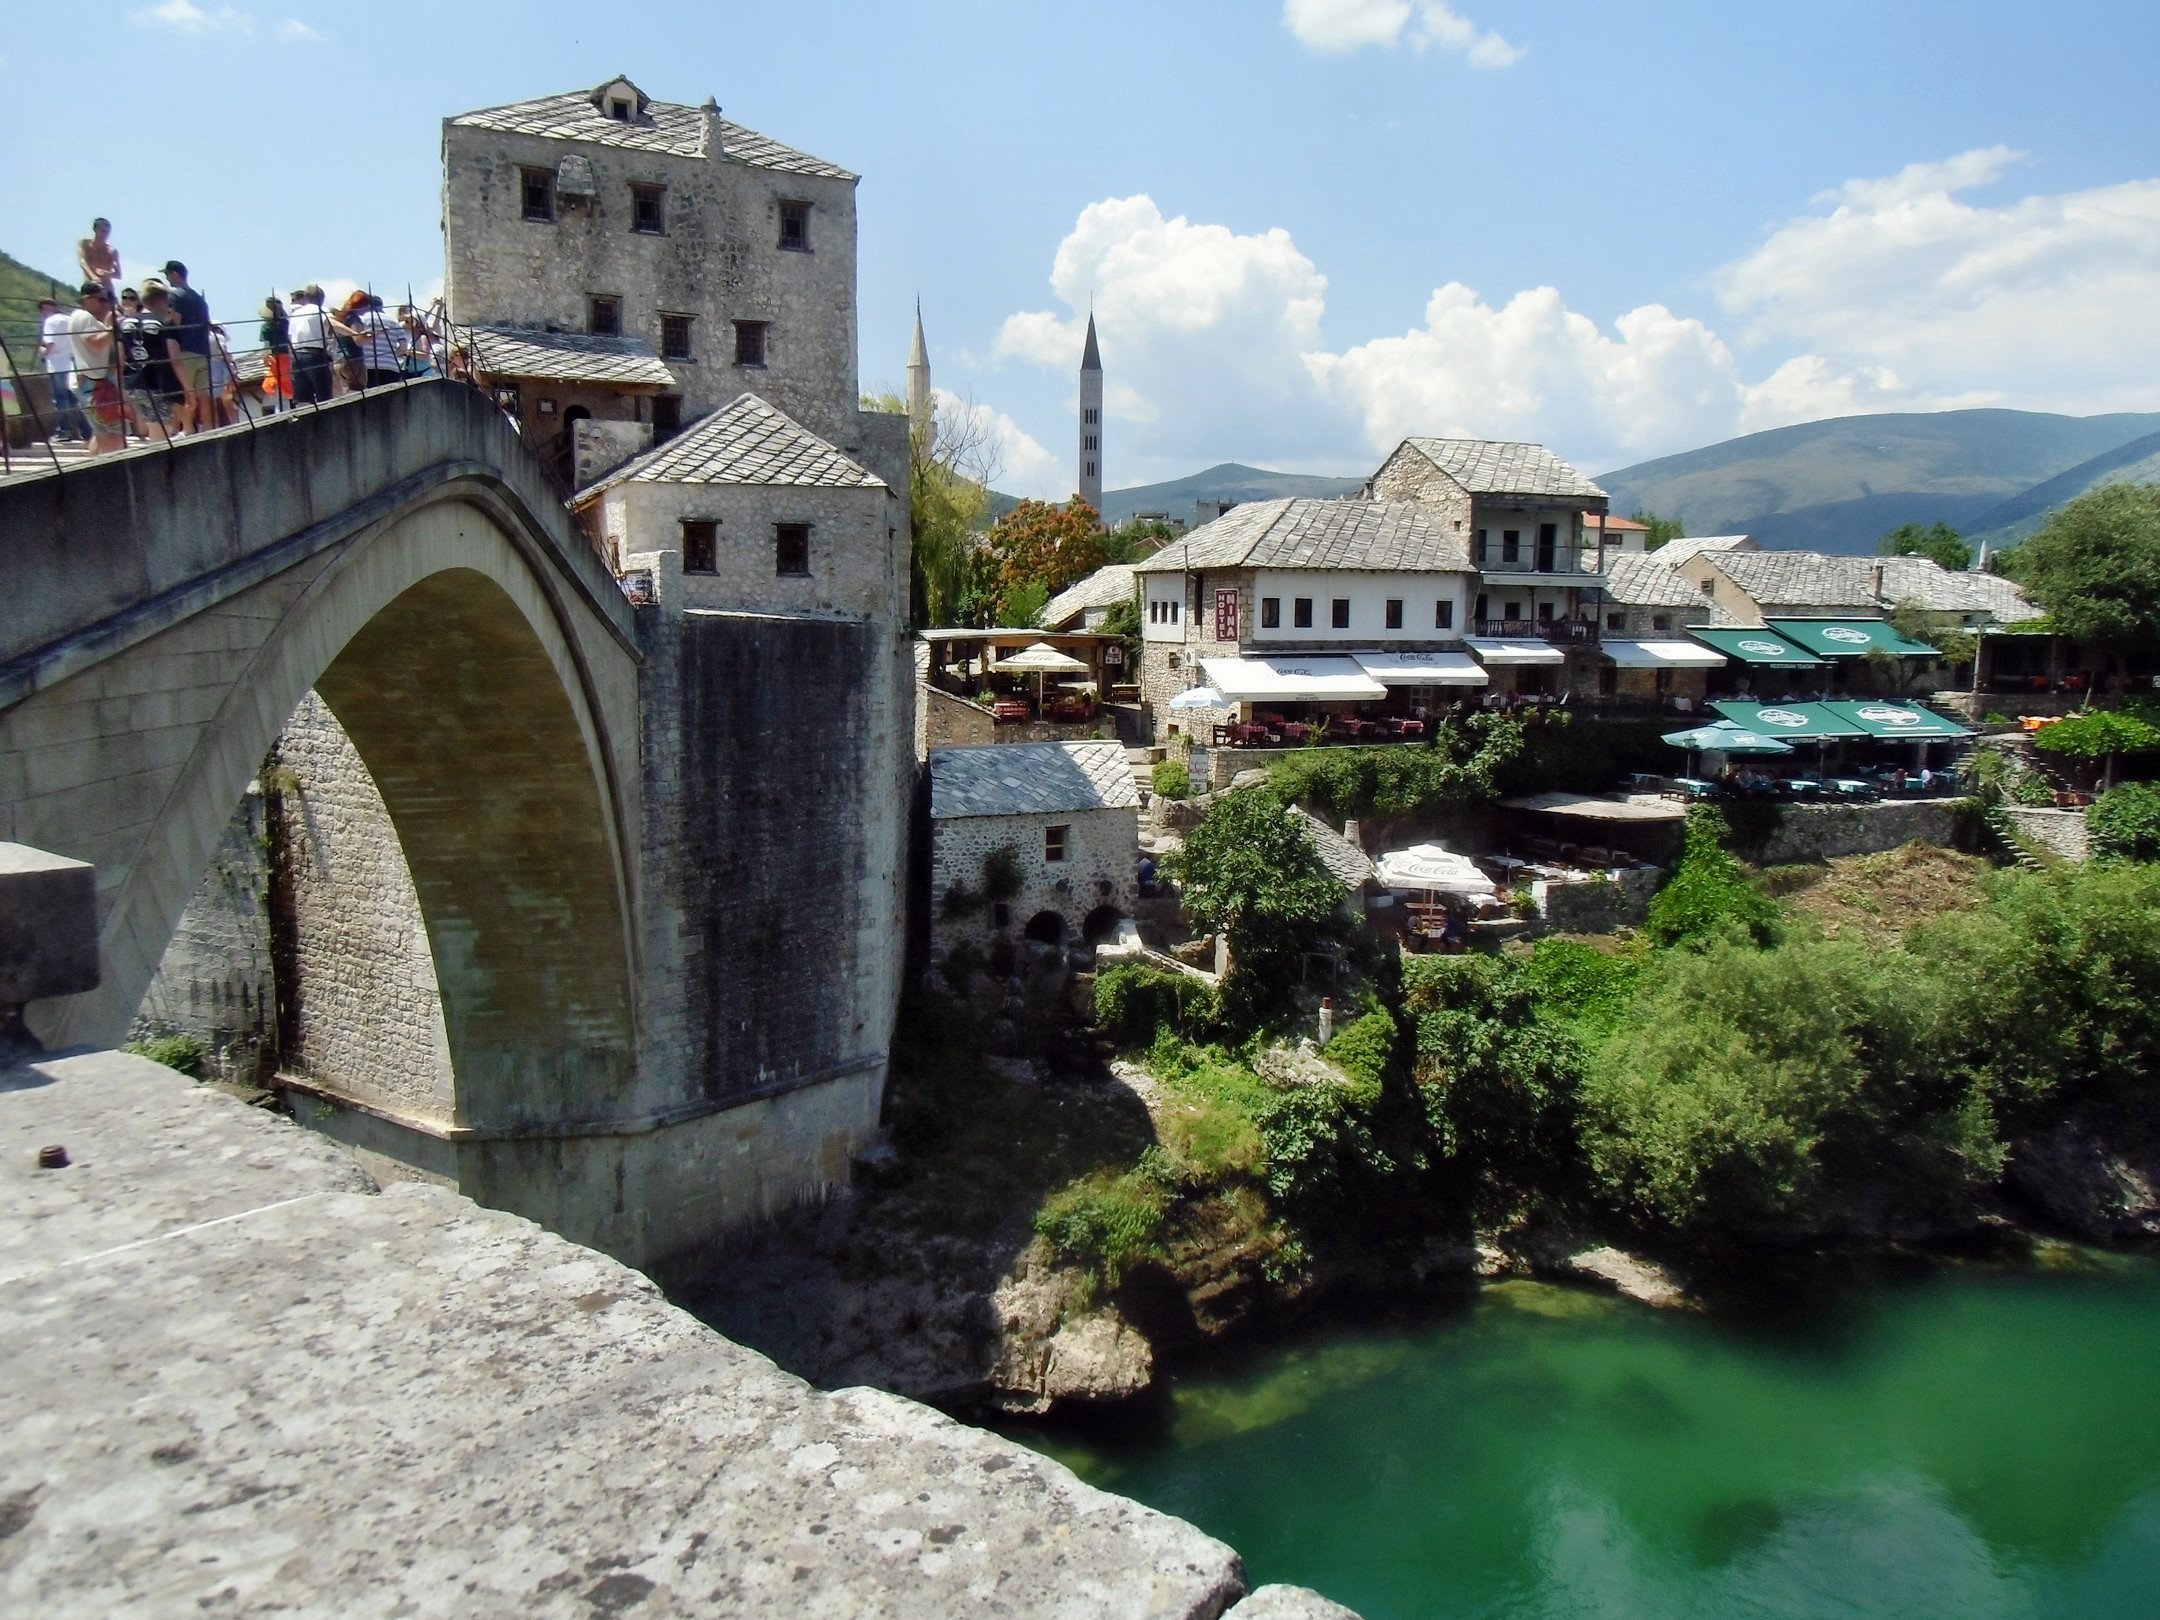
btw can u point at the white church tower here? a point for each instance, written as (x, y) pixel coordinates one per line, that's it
(1091, 422)
(921, 403)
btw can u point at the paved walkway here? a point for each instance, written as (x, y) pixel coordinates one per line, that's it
(241, 1380)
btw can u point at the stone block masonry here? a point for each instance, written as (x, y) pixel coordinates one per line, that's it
(244, 1382)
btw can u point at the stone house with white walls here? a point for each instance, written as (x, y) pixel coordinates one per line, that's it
(1061, 819)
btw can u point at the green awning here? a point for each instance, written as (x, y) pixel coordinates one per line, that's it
(1757, 647)
(1815, 722)
(1849, 638)
(1883, 718)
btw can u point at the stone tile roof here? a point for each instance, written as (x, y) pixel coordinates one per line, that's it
(1675, 552)
(1942, 590)
(519, 351)
(745, 442)
(1496, 467)
(1030, 779)
(666, 127)
(1350, 865)
(1396, 536)
(1645, 579)
(1106, 587)
(1805, 579)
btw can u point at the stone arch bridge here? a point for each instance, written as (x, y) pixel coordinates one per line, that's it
(401, 555)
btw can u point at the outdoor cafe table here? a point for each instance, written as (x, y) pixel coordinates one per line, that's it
(1694, 786)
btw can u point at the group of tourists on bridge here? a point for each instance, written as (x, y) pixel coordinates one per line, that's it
(149, 362)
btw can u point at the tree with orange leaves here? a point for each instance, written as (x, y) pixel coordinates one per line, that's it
(1038, 549)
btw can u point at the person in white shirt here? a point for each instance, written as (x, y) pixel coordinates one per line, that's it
(57, 349)
(96, 378)
(310, 339)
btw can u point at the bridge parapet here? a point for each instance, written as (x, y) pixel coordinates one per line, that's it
(122, 547)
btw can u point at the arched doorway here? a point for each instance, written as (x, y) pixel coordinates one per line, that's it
(1101, 924)
(1046, 928)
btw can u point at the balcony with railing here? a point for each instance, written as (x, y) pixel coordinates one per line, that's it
(1528, 559)
(1561, 632)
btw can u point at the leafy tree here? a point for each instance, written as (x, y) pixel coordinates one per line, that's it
(1142, 537)
(1945, 632)
(1457, 769)
(1937, 542)
(2103, 734)
(2125, 822)
(950, 471)
(1043, 547)
(1662, 530)
(1250, 873)
(2095, 568)
(1706, 898)
(1123, 621)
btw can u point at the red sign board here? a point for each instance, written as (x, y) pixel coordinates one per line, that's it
(1226, 615)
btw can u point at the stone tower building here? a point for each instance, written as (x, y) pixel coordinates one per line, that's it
(1091, 422)
(649, 261)
(921, 403)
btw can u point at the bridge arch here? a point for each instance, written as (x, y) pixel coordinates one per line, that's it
(481, 663)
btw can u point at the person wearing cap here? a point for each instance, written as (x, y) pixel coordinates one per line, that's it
(99, 389)
(309, 333)
(57, 349)
(191, 314)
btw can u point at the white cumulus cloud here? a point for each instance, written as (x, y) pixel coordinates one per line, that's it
(1202, 329)
(1018, 463)
(2044, 302)
(1339, 26)
(292, 31)
(185, 17)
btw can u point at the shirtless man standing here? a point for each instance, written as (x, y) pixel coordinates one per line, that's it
(100, 260)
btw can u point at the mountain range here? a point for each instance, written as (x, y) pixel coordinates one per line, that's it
(1840, 485)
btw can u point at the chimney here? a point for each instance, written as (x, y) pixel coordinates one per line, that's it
(1874, 575)
(711, 110)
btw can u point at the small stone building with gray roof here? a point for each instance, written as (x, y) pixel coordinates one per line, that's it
(1084, 606)
(1030, 842)
(1301, 576)
(760, 515)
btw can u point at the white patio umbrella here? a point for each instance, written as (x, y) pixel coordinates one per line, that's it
(1040, 660)
(1430, 866)
(1199, 697)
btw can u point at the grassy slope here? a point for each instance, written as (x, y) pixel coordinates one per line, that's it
(1876, 898)
(20, 289)
(1838, 485)
(2137, 462)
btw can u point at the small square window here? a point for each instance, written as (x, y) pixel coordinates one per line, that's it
(1443, 614)
(795, 227)
(1511, 612)
(791, 548)
(1510, 545)
(1000, 914)
(750, 343)
(666, 416)
(675, 337)
(1661, 621)
(1339, 613)
(619, 110)
(1301, 613)
(536, 190)
(700, 546)
(603, 317)
(1545, 613)
(1394, 613)
(648, 210)
(1616, 621)
(1271, 613)
(1055, 842)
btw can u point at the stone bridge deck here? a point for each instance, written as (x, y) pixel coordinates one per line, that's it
(242, 1380)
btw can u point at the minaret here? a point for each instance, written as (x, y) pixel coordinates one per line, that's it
(921, 403)
(1091, 422)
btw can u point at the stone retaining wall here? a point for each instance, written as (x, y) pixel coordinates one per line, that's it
(1821, 832)
(2060, 833)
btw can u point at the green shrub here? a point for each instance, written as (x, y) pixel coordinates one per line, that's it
(1106, 1222)
(1171, 780)
(2125, 822)
(962, 901)
(1364, 1049)
(1456, 769)
(961, 963)
(182, 1053)
(1706, 898)
(1001, 873)
(1134, 1001)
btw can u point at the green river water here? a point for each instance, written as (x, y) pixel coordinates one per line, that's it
(1973, 1443)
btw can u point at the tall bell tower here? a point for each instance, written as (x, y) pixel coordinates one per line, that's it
(1091, 422)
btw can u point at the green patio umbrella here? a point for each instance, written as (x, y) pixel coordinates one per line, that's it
(1724, 738)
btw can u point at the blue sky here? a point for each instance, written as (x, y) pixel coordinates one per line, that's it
(1307, 227)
